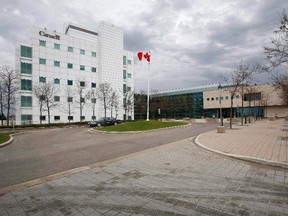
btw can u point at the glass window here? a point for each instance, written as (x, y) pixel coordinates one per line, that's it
(82, 84)
(56, 118)
(26, 68)
(42, 97)
(26, 101)
(26, 119)
(82, 118)
(56, 98)
(42, 79)
(56, 46)
(42, 118)
(70, 65)
(82, 100)
(227, 98)
(128, 62)
(26, 85)
(70, 82)
(124, 74)
(82, 51)
(82, 67)
(57, 63)
(93, 85)
(93, 54)
(70, 99)
(93, 69)
(93, 100)
(124, 60)
(26, 51)
(124, 88)
(129, 75)
(128, 88)
(56, 81)
(70, 118)
(70, 49)
(42, 61)
(42, 43)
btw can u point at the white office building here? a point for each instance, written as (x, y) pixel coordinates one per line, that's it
(73, 63)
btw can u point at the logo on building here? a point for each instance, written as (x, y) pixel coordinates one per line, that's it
(42, 33)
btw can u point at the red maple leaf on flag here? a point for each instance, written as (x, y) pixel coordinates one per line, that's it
(146, 56)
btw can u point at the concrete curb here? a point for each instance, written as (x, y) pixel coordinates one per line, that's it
(41, 180)
(10, 140)
(66, 173)
(135, 132)
(242, 157)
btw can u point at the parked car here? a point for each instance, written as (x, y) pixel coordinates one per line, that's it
(105, 121)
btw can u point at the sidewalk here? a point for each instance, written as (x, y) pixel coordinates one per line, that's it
(262, 141)
(176, 179)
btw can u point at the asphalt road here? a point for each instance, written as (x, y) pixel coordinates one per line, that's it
(44, 152)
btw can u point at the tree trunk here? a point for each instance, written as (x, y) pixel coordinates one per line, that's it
(2, 116)
(48, 110)
(8, 108)
(231, 113)
(242, 104)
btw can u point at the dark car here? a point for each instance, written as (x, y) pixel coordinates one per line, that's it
(105, 121)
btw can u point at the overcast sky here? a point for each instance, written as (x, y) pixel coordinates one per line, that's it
(192, 42)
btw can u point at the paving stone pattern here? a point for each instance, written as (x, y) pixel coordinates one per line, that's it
(264, 139)
(175, 179)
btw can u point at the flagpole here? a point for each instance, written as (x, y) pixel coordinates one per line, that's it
(148, 91)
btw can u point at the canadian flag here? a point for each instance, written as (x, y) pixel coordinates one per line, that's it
(146, 55)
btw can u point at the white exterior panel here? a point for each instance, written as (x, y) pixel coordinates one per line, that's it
(107, 43)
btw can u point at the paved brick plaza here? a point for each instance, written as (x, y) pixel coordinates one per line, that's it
(175, 179)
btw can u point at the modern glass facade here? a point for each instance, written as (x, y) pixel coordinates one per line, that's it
(177, 104)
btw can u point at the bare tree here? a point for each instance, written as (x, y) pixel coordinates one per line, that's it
(114, 101)
(104, 91)
(69, 94)
(38, 93)
(245, 72)
(249, 92)
(281, 84)
(128, 102)
(44, 93)
(277, 53)
(264, 102)
(83, 96)
(10, 80)
(140, 104)
(277, 56)
(93, 97)
(1, 103)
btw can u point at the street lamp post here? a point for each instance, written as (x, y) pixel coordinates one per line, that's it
(220, 99)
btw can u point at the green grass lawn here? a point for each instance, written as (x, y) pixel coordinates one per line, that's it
(4, 137)
(140, 126)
